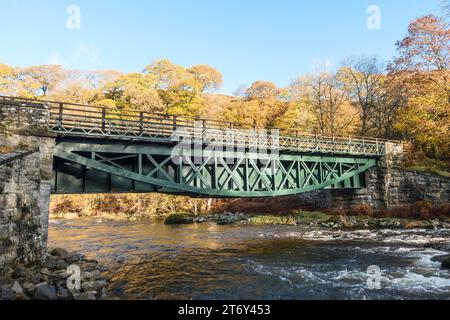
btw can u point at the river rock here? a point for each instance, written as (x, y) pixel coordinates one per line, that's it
(91, 276)
(446, 263)
(179, 219)
(51, 262)
(6, 271)
(96, 286)
(90, 295)
(45, 291)
(6, 293)
(7, 280)
(22, 272)
(59, 252)
(18, 290)
(73, 257)
(29, 288)
(63, 293)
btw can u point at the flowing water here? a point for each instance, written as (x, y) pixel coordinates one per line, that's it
(149, 260)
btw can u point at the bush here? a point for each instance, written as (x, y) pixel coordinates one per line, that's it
(362, 210)
(422, 210)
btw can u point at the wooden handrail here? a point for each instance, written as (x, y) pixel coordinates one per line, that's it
(65, 108)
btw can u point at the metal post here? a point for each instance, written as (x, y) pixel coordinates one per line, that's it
(103, 119)
(141, 123)
(174, 123)
(61, 110)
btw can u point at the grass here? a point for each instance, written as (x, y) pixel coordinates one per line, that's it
(437, 167)
(436, 171)
(298, 217)
(308, 217)
(272, 220)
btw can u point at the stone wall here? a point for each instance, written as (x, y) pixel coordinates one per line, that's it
(25, 184)
(389, 185)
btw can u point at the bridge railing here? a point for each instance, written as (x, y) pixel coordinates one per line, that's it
(94, 121)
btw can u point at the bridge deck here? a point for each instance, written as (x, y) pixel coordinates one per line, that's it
(98, 122)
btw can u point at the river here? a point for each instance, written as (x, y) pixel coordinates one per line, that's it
(149, 260)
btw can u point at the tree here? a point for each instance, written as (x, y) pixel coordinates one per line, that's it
(134, 91)
(424, 54)
(7, 75)
(426, 47)
(47, 77)
(83, 87)
(180, 91)
(209, 78)
(362, 79)
(262, 90)
(168, 74)
(392, 99)
(327, 102)
(262, 105)
(423, 69)
(446, 7)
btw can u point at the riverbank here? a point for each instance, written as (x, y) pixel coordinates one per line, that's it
(317, 219)
(49, 281)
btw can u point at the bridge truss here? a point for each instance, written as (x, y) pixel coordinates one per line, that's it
(103, 150)
(100, 168)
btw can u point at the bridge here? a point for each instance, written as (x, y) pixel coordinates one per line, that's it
(101, 150)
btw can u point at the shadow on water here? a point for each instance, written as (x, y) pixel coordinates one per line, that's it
(149, 260)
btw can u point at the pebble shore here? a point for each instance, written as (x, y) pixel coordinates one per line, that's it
(50, 280)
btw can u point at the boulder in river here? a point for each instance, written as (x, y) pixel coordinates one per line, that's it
(6, 293)
(59, 252)
(96, 286)
(45, 291)
(446, 263)
(22, 272)
(90, 295)
(179, 219)
(18, 290)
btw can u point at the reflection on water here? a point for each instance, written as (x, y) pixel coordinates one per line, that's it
(149, 260)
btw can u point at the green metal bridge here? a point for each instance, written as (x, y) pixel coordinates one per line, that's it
(101, 150)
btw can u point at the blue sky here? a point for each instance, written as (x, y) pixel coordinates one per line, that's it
(247, 40)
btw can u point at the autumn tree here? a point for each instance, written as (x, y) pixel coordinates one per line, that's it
(182, 89)
(208, 78)
(423, 68)
(46, 77)
(392, 99)
(362, 79)
(446, 7)
(134, 91)
(7, 75)
(263, 90)
(327, 101)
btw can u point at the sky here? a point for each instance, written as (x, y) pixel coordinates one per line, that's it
(246, 40)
